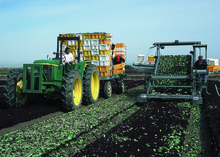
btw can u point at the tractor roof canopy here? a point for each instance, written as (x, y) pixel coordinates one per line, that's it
(55, 62)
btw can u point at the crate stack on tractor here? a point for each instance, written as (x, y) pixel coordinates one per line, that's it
(97, 48)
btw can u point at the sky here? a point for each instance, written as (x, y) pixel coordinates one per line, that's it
(29, 28)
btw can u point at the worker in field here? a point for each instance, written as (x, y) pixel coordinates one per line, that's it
(67, 56)
(117, 59)
(200, 64)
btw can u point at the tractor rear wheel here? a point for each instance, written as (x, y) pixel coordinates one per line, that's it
(72, 89)
(91, 84)
(108, 89)
(13, 89)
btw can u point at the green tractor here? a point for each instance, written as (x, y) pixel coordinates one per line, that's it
(76, 82)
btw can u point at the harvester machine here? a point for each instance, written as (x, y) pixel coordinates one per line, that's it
(194, 76)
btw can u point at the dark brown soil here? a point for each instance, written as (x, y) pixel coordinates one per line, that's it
(36, 111)
(16, 118)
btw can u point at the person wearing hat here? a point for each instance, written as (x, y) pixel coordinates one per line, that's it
(67, 56)
(200, 64)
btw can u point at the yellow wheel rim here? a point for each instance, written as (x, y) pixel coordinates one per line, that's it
(95, 85)
(20, 97)
(77, 91)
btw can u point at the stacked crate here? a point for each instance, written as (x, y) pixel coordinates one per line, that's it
(119, 50)
(94, 47)
(213, 64)
(118, 68)
(151, 58)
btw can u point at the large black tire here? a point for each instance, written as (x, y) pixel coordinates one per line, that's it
(13, 89)
(120, 86)
(72, 89)
(108, 89)
(91, 84)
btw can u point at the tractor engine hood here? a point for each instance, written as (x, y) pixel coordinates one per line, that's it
(48, 62)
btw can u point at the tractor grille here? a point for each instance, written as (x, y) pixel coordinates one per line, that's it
(46, 70)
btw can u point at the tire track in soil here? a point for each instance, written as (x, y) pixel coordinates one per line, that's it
(205, 131)
(17, 118)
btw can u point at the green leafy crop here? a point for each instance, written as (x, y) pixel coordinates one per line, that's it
(174, 65)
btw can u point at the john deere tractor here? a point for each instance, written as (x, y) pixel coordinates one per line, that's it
(75, 82)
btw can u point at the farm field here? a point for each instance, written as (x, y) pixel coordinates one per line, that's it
(114, 127)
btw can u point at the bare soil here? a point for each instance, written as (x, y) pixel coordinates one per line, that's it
(16, 118)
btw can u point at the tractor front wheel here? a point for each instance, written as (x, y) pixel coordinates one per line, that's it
(72, 90)
(13, 89)
(91, 84)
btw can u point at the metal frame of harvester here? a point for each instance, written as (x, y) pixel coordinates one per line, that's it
(195, 77)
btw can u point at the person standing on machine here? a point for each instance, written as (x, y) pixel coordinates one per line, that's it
(200, 64)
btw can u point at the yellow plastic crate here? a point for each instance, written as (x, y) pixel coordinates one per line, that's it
(212, 68)
(76, 47)
(94, 36)
(62, 35)
(73, 53)
(105, 73)
(70, 35)
(104, 35)
(119, 66)
(118, 72)
(87, 36)
(64, 42)
(104, 41)
(87, 52)
(87, 58)
(72, 48)
(95, 57)
(81, 42)
(104, 52)
(120, 45)
(151, 58)
(218, 67)
(104, 68)
(215, 68)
